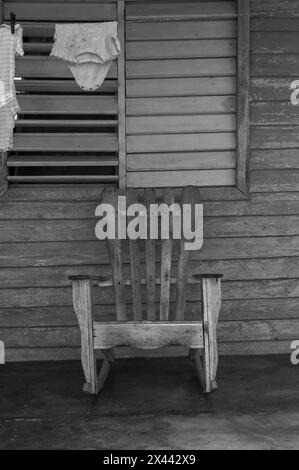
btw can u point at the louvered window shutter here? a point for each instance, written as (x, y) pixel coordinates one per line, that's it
(181, 93)
(63, 134)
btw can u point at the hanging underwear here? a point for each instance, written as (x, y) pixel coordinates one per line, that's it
(11, 45)
(88, 49)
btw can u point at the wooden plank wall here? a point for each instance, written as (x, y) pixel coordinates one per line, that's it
(47, 234)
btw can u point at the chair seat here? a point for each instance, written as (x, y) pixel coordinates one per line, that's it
(148, 335)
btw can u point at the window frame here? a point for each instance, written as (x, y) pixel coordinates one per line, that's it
(243, 96)
(241, 188)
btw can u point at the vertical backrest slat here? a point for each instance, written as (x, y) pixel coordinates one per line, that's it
(110, 196)
(190, 196)
(166, 264)
(150, 258)
(132, 198)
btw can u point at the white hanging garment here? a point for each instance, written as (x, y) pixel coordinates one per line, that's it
(88, 49)
(11, 45)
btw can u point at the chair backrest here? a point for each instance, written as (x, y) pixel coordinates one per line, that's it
(155, 264)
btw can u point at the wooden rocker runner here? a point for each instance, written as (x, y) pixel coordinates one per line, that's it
(130, 328)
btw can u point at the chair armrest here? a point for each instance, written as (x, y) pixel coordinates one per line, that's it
(100, 281)
(200, 277)
(89, 278)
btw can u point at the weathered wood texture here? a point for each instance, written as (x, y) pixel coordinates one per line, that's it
(47, 234)
(181, 94)
(148, 335)
(140, 334)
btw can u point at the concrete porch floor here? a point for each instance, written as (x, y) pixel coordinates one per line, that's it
(151, 404)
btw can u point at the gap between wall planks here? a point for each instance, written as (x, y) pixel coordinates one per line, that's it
(121, 96)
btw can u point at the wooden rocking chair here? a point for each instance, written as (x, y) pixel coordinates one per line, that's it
(198, 336)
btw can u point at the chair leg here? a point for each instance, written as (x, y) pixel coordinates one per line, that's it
(82, 300)
(194, 356)
(105, 368)
(103, 375)
(211, 299)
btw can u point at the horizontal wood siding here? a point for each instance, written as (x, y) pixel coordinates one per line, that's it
(47, 233)
(181, 93)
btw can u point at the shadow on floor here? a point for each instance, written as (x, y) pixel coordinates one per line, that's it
(151, 404)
